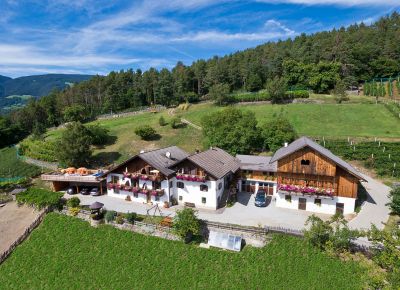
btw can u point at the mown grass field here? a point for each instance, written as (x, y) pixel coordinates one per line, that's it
(329, 120)
(354, 119)
(67, 253)
(11, 167)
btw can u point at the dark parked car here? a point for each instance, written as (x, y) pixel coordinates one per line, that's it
(261, 199)
(95, 191)
(84, 191)
(71, 190)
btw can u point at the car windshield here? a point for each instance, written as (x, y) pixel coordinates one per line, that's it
(260, 196)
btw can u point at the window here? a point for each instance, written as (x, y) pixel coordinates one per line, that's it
(305, 162)
(219, 185)
(317, 201)
(156, 185)
(180, 197)
(203, 200)
(288, 198)
(114, 179)
(136, 194)
(157, 198)
(180, 184)
(203, 187)
(170, 184)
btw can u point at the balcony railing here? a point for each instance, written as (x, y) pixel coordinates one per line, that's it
(135, 189)
(306, 190)
(70, 177)
(137, 176)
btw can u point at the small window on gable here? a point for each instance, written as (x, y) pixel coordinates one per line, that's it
(180, 184)
(203, 187)
(305, 162)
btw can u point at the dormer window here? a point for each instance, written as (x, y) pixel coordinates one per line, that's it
(305, 162)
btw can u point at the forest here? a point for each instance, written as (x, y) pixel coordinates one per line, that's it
(314, 62)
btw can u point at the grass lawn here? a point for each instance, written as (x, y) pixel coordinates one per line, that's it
(128, 143)
(10, 166)
(330, 120)
(66, 253)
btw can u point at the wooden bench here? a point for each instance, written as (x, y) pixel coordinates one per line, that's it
(189, 204)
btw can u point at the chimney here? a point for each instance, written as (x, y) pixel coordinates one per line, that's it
(197, 151)
(286, 144)
(141, 151)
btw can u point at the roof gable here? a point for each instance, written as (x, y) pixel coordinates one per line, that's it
(306, 142)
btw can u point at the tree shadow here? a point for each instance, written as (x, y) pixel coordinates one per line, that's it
(180, 126)
(154, 137)
(105, 158)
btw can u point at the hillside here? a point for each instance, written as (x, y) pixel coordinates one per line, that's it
(317, 120)
(35, 86)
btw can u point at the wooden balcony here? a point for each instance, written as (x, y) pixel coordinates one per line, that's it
(56, 176)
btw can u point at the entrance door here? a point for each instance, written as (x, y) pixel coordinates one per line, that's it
(302, 203)
(339, 207)
(148, 197)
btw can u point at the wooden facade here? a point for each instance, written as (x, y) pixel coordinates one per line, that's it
(258, 175)
(139, 166)
(189, 168)
(307, 167)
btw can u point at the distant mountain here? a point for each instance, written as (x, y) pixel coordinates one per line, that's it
(15, 92)
(38, 85)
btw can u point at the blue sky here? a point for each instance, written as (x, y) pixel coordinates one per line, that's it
(97, 36)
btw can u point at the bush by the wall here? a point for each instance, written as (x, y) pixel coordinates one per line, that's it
(73, 202)
(39, 198)
(110, 215)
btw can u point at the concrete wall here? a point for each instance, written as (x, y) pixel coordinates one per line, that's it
(328, 205)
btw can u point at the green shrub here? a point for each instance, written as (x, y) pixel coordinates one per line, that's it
(110, 215)
(394, 203)
(131, 217)
(73, 202)
(39, 198)
(145, 132)
(119, 219)
(175, 123)
(161, 121)
(186, 222)
(100, 135)
(74, 210)
(299, 94)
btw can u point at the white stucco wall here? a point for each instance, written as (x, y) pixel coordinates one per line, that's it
(142, 198)
(192, 193)
(328, 205)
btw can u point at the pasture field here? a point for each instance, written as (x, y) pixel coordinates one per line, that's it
(11, 166)
(317, 120)
(67, 253)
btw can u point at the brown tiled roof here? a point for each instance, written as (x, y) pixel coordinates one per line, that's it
(306, 142)
(159, 160)
(216, 162)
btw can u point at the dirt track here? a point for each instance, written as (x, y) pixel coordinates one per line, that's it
(13, 222)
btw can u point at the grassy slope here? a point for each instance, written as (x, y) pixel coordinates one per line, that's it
(330, 120)
(10, 166)
(128, 143)
(355, 120)
(107, 258)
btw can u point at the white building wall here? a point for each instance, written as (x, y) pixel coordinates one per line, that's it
(192, 193)
(142, 198)
(328, 205)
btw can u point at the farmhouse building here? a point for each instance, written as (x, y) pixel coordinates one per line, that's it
(312, 178)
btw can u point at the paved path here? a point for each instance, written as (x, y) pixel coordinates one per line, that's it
(374, 210)
(244, 212)
(14, 221)
(191, 124)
